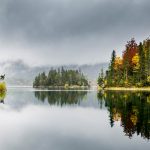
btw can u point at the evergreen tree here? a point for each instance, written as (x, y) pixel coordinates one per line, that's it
(142, 71)
(61, 78)
(100, 80)
(146, 47)
(111, 74)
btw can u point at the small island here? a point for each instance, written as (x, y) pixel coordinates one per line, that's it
(61, 78)
(2, 84)
(3, 88)
(131, 71)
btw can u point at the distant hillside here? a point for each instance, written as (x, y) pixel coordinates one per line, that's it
(19, 73)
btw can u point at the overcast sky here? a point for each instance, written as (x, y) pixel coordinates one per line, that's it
(70, 31)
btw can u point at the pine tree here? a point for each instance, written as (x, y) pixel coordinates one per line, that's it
(112, 69)
(142, 71)
(60, 78)
(146, 46)
(100, 80)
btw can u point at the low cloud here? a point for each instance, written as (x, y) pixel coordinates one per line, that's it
(68, 31)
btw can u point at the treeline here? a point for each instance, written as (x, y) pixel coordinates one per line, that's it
(132, 69)
(61, 77)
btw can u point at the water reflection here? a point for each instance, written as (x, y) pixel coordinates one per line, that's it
(2, 97)
(81, 125)
(132, 109)
(61, 98)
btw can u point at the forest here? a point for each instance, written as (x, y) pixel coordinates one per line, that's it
(132, 69)
(60, 77)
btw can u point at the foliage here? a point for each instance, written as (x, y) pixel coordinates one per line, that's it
(135, 62)
(100, 80)
(133, 69)
(61, 78)
(2, 86)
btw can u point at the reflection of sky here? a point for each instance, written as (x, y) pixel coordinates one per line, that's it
(43, 127)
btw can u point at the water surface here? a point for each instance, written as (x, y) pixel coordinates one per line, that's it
(70, 120)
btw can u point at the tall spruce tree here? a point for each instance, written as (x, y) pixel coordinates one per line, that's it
(142, 71)
(112, 69)
(100, 80)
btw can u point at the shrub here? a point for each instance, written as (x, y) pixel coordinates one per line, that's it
(66, 86)
(139, 84)
(2, 86)
(148, 80)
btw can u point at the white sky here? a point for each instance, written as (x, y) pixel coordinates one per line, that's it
(69, 31)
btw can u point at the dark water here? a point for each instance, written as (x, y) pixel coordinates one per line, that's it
(74, 120)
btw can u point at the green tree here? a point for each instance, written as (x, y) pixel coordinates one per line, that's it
(100, 80)
(60, 78)
(111, 72)
(142, 71)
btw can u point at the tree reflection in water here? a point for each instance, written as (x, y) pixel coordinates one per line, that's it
(2, 96)
(61, 97)
(132, 109)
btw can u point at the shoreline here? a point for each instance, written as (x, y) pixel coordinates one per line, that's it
(127, 89)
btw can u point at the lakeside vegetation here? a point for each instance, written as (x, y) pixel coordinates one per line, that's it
(127, 89)
(2, 91)
(61, 78)
(2, 87)
(130, 70)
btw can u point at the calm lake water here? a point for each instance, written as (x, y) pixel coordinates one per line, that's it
(74, 120)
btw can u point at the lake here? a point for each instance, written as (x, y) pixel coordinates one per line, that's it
(74, 120)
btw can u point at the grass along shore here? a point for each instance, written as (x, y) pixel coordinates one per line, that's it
(126, 88)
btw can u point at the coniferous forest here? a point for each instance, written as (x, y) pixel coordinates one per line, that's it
(60, 77)
(132, 69)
